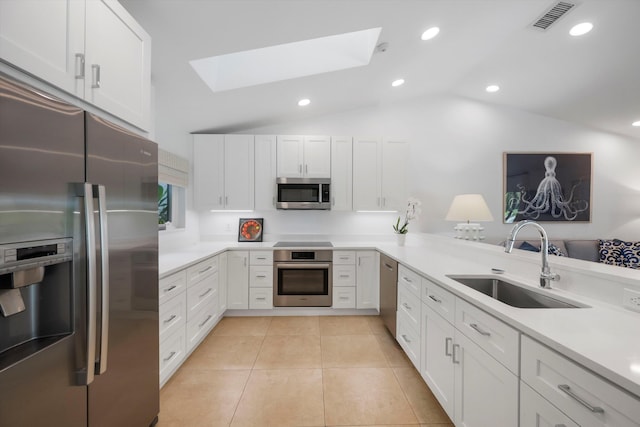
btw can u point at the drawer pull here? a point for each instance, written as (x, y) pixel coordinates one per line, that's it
(205, 293)
(344, 298)
(480, 331)
(407, 306)
(166, 359)
(170, 319)
(456, 361)
(406, 279)
(261, 276)
(344, 257)
(447, 342)
(205, 321)
(344, 275)
(435, 299)
(407, 340)
(261, 257)
(389, 267)
(567, 390)
(205, 270)
(170, 288)
(261, 298)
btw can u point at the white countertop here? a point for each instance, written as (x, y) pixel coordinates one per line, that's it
(604, 338)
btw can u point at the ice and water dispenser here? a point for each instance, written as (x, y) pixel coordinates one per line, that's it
(36, 296)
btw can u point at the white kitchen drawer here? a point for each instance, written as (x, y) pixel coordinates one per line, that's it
(408, 338)
(344, 257)
(411, 279)
(172, 316)
(201, 323)
(260, 298)
(344, 297)
(172, 285)
(201, 294)
(495, 337)
(201, 270)
(344, 275)
(261, 258)
(172, 353)
(545, 371)
(409, 305)
(261, 276)
(441, 301)
(536, 411)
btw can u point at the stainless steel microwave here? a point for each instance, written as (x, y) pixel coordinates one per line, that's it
(303, 193)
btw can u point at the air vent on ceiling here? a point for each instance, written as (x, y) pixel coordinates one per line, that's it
(552, 15)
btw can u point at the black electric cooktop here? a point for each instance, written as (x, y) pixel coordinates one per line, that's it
(303, 245)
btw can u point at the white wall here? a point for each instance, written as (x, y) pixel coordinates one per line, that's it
(457, 147)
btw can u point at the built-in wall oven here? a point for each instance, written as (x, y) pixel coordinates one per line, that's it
(302, 278)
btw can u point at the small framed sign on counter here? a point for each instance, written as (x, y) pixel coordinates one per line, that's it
(250, 230)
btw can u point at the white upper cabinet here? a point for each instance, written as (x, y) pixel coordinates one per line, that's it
(117, 62)
(303, 156)
(224, 171)
(265, 173)
(45, 38)
(379, 174)
(92, 49)
(341, 173)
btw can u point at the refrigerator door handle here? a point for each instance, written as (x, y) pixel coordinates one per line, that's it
(86, 376)
(99, 192)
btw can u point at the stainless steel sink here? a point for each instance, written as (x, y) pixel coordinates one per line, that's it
(511, 293)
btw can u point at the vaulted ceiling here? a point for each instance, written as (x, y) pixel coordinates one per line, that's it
(593, 80)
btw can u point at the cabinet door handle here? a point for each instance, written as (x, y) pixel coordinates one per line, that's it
(205, 270)
(454, 353)
(170, 288)
(244, 261)
(205, 293)
(407, 340)
(95, 73)
(435, 299)
(166, 359)
(478, 330)
(384, 201)
(333, 201)
(299, 168)
(79, 65)
(226, 200)
(596, 409)
(306, 169)
(220, 200)
(407, 306)
(173, 316)
(205, 321)
(447, 342)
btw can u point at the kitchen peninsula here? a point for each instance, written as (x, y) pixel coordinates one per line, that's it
(597, 341)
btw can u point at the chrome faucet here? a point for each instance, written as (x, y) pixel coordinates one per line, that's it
(546, 276)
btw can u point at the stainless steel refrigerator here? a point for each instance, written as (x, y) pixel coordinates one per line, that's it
(78, 267)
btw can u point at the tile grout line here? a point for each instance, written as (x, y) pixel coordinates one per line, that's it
(404, 393)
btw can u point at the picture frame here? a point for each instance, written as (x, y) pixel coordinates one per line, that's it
(547, 187)
(250, 229)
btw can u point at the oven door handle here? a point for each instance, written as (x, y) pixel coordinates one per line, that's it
(302, 265)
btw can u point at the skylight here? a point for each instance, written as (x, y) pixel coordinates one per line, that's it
(287, 61)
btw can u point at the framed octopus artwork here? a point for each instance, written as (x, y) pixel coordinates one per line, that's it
(547, 187)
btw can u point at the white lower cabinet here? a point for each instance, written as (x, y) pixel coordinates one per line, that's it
(536, 411)
(188, 310)
(367, 281)
(237, 280)
(584, 397)
(261, 280)
(344, 279)
(344, 297)
(474, 387)
(260, 298)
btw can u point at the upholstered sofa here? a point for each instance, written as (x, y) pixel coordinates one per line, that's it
(614, 251)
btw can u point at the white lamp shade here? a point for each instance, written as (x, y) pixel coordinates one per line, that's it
(469, 207)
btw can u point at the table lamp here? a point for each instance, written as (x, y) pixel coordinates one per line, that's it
(469, 207)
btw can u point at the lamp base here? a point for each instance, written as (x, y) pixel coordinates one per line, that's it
(469, 231)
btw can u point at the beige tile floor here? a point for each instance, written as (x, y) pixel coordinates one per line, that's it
(299, 371)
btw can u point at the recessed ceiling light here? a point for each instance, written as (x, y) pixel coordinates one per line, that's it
(636, 123)
(581, 29)
(397, 83)
(430, 33)
(492, 88)
(304, 102)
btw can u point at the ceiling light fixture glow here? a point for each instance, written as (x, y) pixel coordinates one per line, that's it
(581, 29)
(636, 123)
(304, 102)
(430, 33)
(492, 88)
(397, 83)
